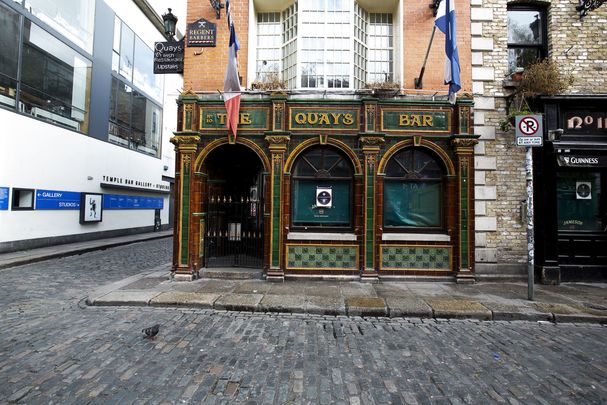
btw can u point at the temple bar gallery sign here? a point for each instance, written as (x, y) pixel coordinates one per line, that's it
(168, 57)
(202, 33)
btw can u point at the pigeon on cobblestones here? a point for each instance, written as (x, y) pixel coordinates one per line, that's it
(152, 331)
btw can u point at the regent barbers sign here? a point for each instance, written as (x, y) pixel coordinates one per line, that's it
(202, 33)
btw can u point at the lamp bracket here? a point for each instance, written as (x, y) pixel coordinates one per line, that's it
(217, 6)
(588, 5)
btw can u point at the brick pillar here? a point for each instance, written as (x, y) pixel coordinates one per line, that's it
(278, 146)
(464, 150)
(185, 245)
(370, 148)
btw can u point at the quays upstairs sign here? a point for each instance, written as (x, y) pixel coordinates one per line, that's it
(339, 119)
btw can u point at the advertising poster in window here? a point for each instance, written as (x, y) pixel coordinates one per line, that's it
(91, 208)
(319, 204)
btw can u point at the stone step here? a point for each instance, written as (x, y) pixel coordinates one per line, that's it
(232, 273)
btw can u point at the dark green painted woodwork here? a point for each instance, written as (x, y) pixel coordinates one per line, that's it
(464, 231)
(253, 118)
(418, 121)
(370, 210)
(185, 213)
(313, 119)
(276, 191)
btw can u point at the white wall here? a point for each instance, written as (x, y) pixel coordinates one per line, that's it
(37, 155)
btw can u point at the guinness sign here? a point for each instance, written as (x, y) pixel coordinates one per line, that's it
(581, 161)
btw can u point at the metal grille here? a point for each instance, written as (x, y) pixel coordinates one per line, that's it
(233, 236)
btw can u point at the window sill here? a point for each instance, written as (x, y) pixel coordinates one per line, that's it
(321, 236)
(424, 237)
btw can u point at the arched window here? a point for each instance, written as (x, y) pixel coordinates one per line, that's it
(322, 189)
(413, 190)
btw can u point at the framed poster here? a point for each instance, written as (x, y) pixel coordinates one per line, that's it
(91, 208)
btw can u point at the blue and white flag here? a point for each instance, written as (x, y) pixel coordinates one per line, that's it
(445, 21)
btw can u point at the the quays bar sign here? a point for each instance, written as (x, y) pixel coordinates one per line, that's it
(202, 33)
(340, 119)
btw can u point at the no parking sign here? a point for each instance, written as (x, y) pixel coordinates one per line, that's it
(529, 130)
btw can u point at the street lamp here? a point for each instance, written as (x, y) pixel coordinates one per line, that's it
(169, 21)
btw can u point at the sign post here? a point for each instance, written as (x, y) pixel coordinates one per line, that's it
(529, 133)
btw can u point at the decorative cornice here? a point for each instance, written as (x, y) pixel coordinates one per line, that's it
(464, 142)
(278, 139)
(185, 140)
(371, 140)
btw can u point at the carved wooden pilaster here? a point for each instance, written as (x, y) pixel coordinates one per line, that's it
(371, 146)
(278, 147)
(185, 266)
(464, 150)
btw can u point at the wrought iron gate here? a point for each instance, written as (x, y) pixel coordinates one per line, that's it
(234, 236)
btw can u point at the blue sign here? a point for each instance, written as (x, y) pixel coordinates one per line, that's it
(129, 202)
(4, 198)
(57, 200)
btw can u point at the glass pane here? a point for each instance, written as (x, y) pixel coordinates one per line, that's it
(127, 43)
(522, 57)
(9, 52)
(73, 18)
(306, 211)
(143, 74)
(578, 204)
(412, 204)
(524, 27)
(414, 164)
(55, 80)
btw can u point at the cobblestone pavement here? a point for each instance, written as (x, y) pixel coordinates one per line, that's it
(54, 349)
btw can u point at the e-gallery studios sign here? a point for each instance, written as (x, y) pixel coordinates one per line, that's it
(168, 57)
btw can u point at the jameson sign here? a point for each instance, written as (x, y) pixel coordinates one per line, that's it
(202, 33)
(168, 57)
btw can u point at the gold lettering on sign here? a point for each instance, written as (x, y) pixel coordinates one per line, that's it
(320, 118)
(243, 118)
(415, 120)
(348, 119)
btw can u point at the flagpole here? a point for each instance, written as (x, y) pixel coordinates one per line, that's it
(418, 80)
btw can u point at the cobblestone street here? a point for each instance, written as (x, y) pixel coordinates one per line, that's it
(54, 349)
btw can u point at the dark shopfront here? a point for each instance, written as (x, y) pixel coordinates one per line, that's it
(570, 177)
(359, 188)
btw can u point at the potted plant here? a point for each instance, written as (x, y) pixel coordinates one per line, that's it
(270, 82)
(385, 89)
(541, 78)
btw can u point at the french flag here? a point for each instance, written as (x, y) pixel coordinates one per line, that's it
(445, 21)
(231, 85)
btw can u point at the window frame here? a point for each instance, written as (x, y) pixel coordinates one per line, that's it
(387, 178)
(16, 192)
(320, 227)
(542, 48)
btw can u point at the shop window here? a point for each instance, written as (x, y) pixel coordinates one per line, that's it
(23, 199)
(321, 194)
(134, 119)
(413, 191)
(9, 57)
(580, 205)
(526, 36)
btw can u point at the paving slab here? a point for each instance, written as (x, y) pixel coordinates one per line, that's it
(216, 286)
(322, 290)
(579, 318)
(282, 303)
(145, 283)
(238, 302)
(320, 305)
(458, 308)
(179, 298)
(124, 297)
(408, 307)
(252, 287)
(366, 306)
(512, 312)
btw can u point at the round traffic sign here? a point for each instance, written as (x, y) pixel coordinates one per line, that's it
(528, 125)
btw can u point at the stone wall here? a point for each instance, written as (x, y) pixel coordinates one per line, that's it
(579, 46)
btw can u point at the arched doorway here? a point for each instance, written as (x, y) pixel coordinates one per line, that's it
(234, 207)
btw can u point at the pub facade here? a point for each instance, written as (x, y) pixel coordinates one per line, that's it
(355, 188)
(355, 166)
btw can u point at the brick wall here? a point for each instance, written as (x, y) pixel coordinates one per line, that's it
(579, 48)
(205, 71)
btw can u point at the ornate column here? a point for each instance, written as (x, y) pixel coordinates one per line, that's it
(185, 246)
(278, 147)
(370, 147)
(463, 146)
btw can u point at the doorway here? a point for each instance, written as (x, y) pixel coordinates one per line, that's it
(234, 206)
